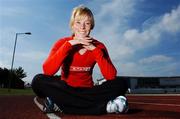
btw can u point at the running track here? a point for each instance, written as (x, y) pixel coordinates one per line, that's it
(141, 107)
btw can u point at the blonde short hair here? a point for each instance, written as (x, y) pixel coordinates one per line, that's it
(81, 12)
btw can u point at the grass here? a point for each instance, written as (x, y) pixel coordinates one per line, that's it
(6, 92)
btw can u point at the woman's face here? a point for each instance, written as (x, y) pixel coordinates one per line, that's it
(81, 26)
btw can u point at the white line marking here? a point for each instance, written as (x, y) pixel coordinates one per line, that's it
(152, 94)
(159, 104)
(53, 116)
(50, 115)
(155, 99)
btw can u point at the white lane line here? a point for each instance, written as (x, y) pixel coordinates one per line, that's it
(165, 99)
(50, 115)
(159, 104)
(131, 94)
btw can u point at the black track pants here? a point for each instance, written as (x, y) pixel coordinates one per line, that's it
(78, 100)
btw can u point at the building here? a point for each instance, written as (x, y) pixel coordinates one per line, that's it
(153, 84)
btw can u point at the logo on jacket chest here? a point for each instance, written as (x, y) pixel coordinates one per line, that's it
(74, 68)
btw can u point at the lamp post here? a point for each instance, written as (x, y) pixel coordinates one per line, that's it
(26, 33)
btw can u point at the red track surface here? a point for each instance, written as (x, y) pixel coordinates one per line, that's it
(141, 107)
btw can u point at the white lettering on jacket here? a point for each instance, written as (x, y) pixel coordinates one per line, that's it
(74, 68)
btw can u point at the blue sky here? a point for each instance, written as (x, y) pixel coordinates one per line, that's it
(142, 36)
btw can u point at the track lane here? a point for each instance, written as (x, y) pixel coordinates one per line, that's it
(23, 107)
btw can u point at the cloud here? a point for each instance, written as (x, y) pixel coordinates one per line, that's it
(170, 21)
(156, 65)
(116, 9)
(4, 58)
(123, 41)
(155, 59)
(168, 24)
(130, 69)
(12, 11)
(111, 21)
(32, 56)
(3, 63)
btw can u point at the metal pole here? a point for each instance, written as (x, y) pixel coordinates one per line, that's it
(10, 74)
(12, 63)
(14, 51)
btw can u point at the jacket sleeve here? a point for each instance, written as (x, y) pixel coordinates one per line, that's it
(104, 62)
(55, 59)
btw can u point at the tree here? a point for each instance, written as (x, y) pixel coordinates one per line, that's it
(19, 72)
(4, 77)
(12, 78)
(16, 77)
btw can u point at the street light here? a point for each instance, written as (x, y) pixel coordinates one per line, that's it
(26, 33)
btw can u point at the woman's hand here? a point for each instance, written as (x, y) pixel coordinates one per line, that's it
(89, 47)
(86, 42)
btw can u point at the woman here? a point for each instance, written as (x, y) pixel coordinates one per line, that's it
(76, 56)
